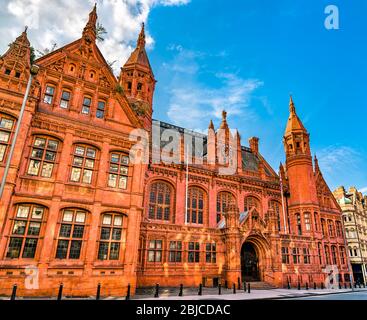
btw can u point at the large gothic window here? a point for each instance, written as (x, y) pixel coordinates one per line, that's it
(195, 205)
(252, 202)
(275, 205)
(223, 200)
(160, 201)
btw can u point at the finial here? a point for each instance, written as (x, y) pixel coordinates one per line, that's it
(291, 104)
(141, 39)
(224, 115)
(91, 26)
(25, 29)
(211, 125)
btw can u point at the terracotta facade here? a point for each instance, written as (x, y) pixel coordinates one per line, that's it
(76, 211)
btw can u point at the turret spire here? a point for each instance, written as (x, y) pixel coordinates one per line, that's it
(294, 123)
(141, 40)
(211, 125)
(90, 30)
(224, 124)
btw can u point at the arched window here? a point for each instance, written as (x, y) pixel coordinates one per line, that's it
(307, 218)
(43, 156)
(113, 230)
(339, 230)
(252, 202)
(323, 227)
(71, 234)
(223, 200)
(334, 255)
(316, 217)
(160, 201)
(7, 126)
(118, 170)
(195, 206)
(84, 164)
(342, 255)
(298, 223)
(331, 228)
(327, 255)
(319, 252)
(25, 231)
(275, 205)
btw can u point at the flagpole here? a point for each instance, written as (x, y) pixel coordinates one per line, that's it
(187, 183)
(282, 195)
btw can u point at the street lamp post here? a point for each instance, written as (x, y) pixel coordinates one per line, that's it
(33, 72)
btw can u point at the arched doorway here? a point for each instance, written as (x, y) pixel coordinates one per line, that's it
(249, 263)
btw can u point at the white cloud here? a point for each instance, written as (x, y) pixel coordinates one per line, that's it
(62, 21)
(340, 165)
(192, 103)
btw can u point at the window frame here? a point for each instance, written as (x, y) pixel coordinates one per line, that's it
(154, 251)
(193, 254)
(118, 173)
(224, 199)
(99, 109)
(50, 95)
(88, 106)
(195, 196)
(43, 159)
(111, 242)
(175, 251)
(62, 99)
(25, 236)
(83, 167)
(5, 145)
(71, 238)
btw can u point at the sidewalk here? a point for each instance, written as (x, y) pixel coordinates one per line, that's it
(257, 294)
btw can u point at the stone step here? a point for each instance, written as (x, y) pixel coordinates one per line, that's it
(260, 285)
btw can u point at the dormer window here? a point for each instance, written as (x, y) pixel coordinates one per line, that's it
(49, 94)
(101, 109)
(86, 105)
(65, 99)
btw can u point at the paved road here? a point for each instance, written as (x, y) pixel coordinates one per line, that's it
(362, 295)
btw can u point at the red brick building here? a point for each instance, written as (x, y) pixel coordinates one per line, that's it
(77, 211)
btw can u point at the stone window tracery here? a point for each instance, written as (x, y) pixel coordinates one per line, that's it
(160, 201)
(7, 126)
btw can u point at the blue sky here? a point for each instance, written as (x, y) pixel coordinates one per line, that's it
(272, 48)
(244, 56)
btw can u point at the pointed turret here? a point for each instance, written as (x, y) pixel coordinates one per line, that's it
(137, 80)
(17, 59)
(294, 123)
(211, 125)
(299, 167)
(316, 164)
(90, 30)
(224, 124)
(296, 137)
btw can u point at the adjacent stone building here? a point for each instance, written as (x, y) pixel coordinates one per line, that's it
(354, 207)
(76, 210)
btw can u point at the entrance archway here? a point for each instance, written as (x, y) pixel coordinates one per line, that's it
(249, 263)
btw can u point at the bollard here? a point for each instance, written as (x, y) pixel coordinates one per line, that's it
(248, 288)
(239, 283)
(98, 295)
(364, 285)
(306, 285)
(14, 292)
(200, 293)
(244, 286)
(314, 285)
(181, 290)
(226, 284)
(288, 284)
(59, 296)
(345, 285)
(219, 288)
(340, 285)
(350, 285)
(299, 286)
(322, 285)
(234, 289)
(359, 285)
(156, 294)
(128, 292)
